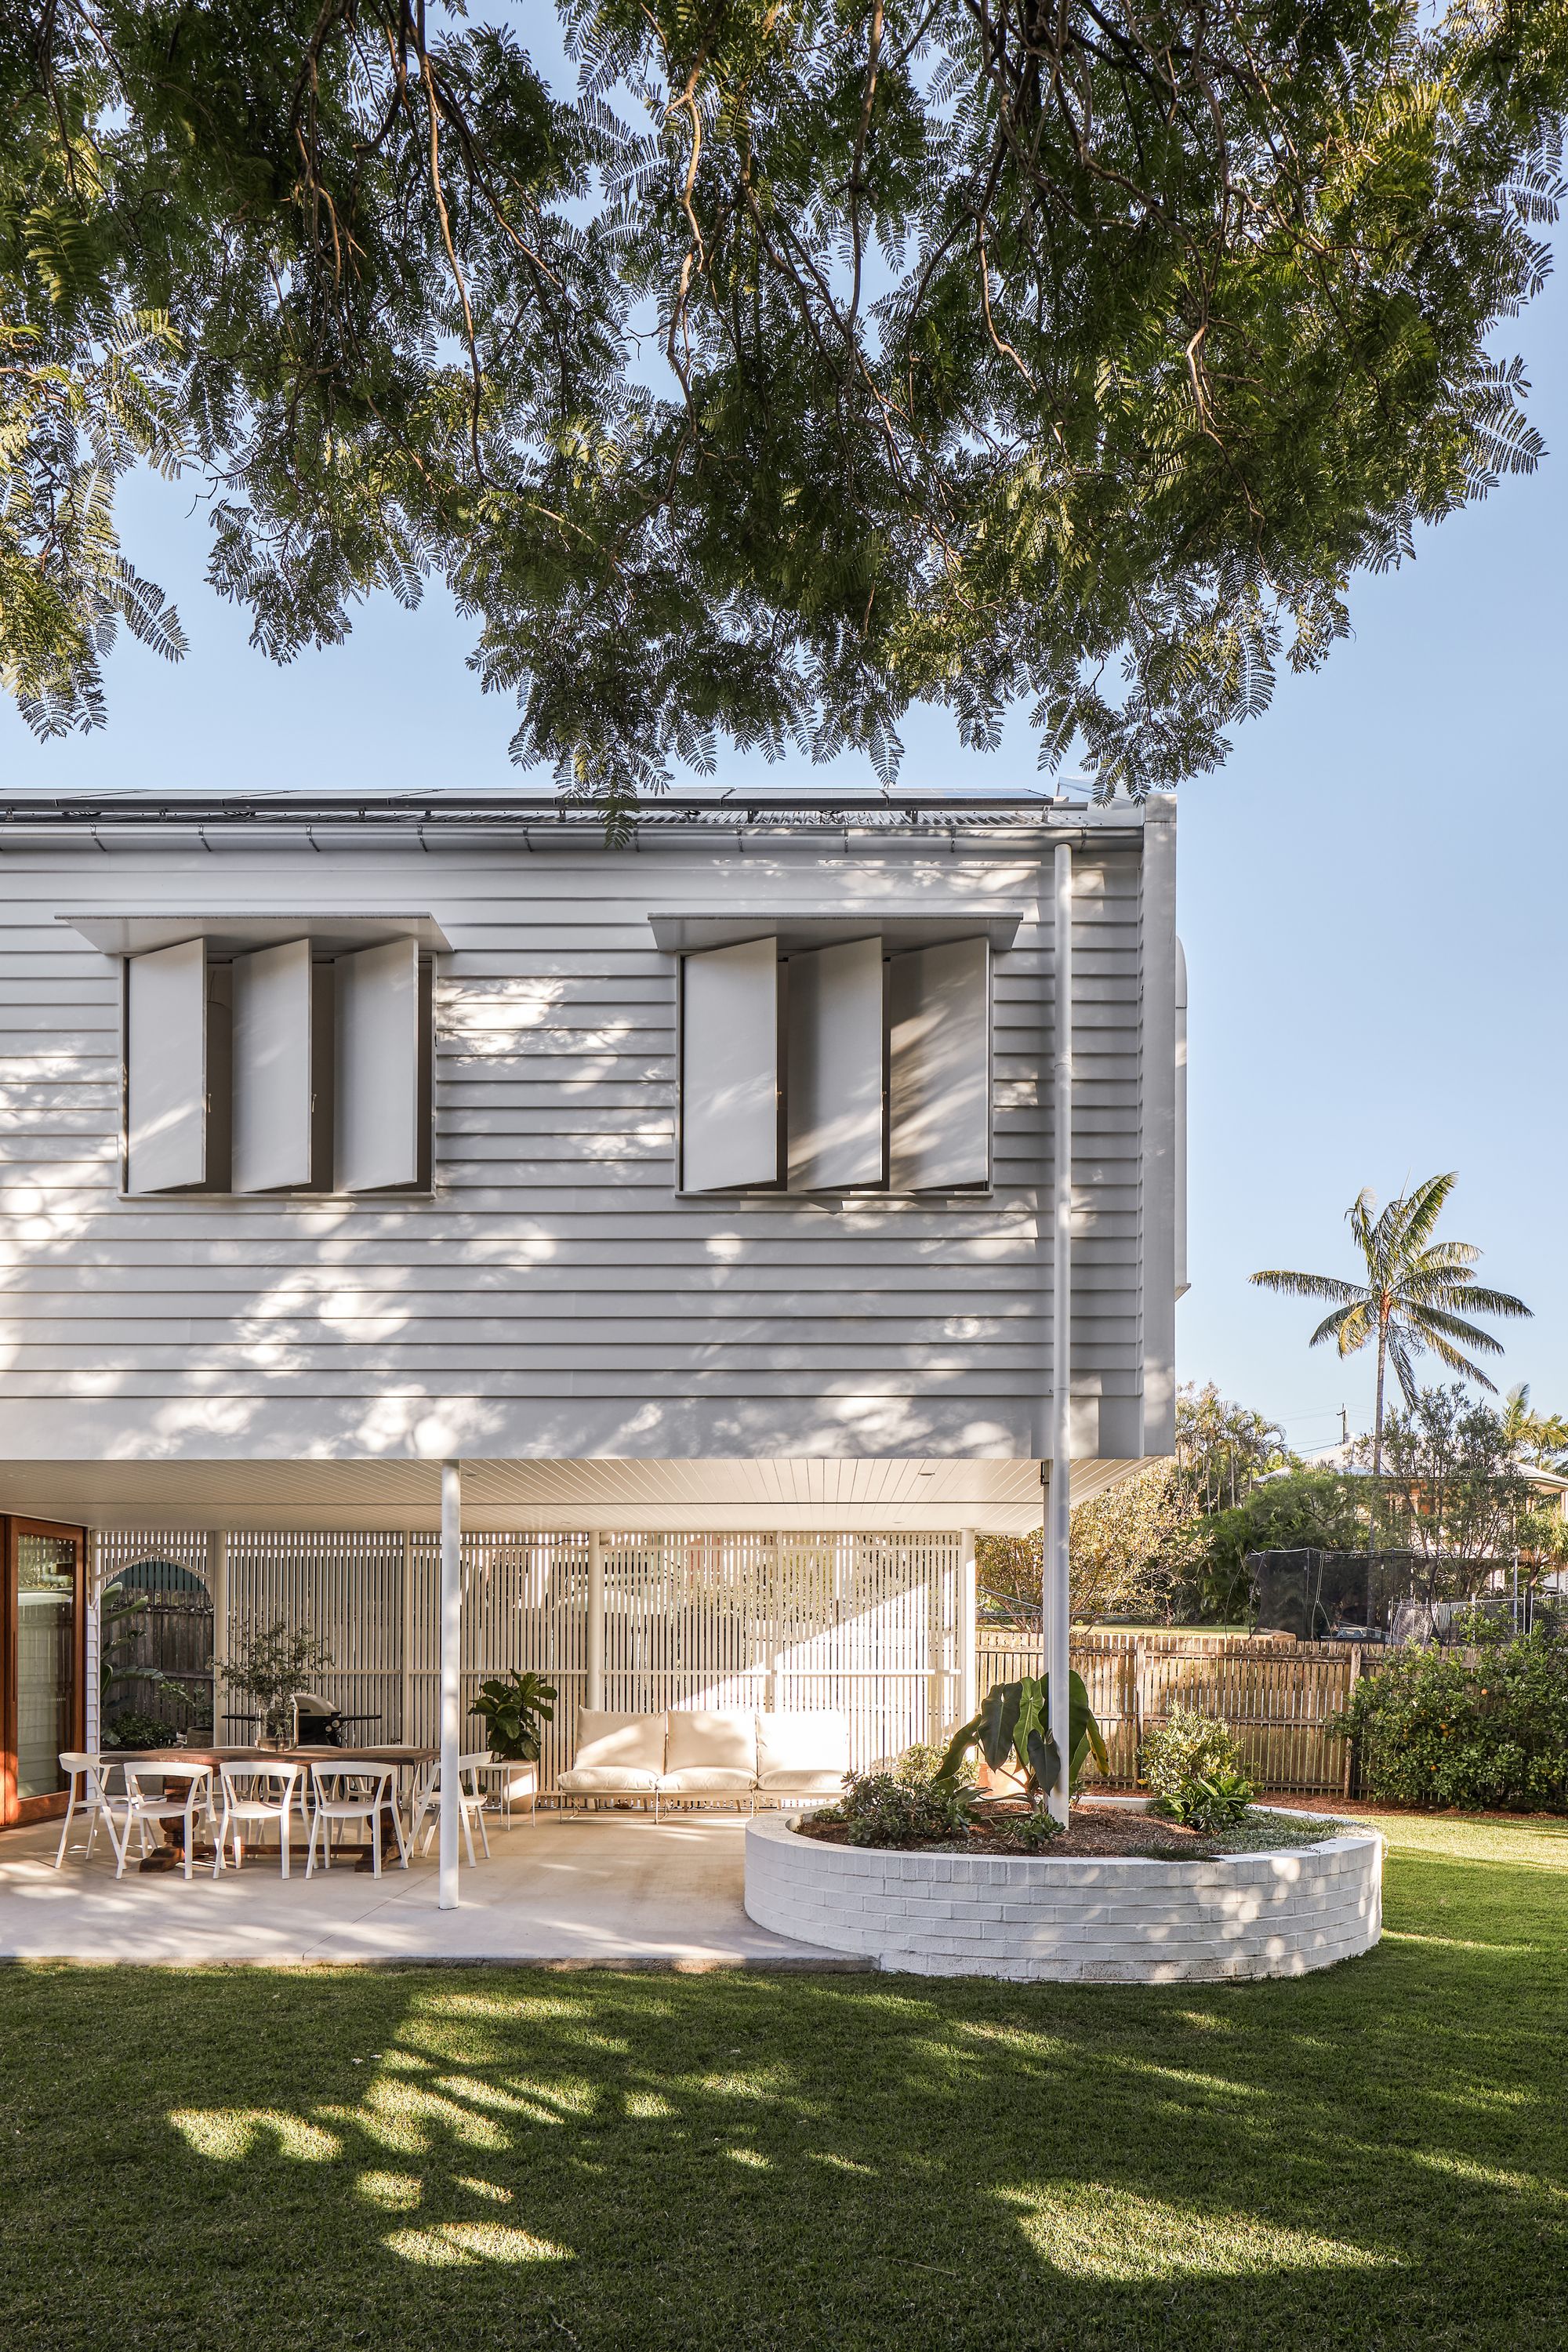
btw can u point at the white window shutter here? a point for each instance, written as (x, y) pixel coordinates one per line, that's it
(729, 1067)
(166, 1068)
(272, 1078)
(835, 1070)
(376, 1081)
(939, 1079)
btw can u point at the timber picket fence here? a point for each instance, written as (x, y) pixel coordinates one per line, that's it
(1277, 1696)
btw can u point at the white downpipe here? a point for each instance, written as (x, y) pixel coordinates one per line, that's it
(594, 1648)
(1054, 1624)
(451, 1675)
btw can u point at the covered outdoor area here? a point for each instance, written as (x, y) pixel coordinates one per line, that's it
(843, 1591)
(614, 1889)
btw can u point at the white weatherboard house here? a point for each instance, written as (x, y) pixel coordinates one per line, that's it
(689, 1214)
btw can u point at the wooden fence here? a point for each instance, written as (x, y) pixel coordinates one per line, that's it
(1277, 1696)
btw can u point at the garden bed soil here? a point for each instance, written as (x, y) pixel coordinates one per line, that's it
(1094, 1831)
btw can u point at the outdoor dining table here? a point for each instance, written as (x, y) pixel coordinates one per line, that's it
(342, 1759)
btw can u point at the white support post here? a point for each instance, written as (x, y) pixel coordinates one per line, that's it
(405, 1655)
(217, 1586)
(451, 1674)
(92, 1732)
(594, 1644)
(1055, 1625)
(968, 1634)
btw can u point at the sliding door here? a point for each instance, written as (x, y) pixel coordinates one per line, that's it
(42, 1695)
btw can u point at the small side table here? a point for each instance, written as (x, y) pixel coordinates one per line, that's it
(512, 1782)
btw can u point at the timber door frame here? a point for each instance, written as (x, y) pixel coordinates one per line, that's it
(17, 1811)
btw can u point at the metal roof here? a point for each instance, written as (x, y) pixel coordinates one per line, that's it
(544, 818)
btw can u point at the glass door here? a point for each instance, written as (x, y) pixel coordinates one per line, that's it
(43, 1698)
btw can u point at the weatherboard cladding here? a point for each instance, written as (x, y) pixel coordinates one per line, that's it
(556, 1294)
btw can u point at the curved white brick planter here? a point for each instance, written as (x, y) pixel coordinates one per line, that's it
(1110, 1921)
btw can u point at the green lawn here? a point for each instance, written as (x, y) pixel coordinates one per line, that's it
(259, 2162)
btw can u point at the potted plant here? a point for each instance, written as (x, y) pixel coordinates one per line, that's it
(272, 1671)
(515, 1708)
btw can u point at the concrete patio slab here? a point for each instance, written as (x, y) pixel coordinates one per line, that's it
(608, 1891)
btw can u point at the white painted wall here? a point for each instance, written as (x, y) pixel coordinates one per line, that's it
(558, 1295)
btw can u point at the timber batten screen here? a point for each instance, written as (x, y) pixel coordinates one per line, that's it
(868, 1626)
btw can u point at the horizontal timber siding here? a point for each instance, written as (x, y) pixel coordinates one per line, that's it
(555, 1295)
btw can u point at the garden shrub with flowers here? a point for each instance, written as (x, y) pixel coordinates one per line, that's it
(1486, 1727)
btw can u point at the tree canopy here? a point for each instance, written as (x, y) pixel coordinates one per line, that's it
(800, 361)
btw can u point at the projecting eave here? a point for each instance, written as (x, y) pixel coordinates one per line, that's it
(853, 1496)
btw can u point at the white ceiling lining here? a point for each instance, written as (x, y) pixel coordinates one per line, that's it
(864, 1495)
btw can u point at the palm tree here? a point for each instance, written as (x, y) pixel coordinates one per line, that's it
(1408, 1301)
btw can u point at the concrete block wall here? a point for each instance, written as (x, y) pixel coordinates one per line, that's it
(1113, 1921)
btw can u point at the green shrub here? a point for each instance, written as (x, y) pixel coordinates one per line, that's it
(132, 1729)
(1193, 1767)
(1435, 1730)
(900, 1804)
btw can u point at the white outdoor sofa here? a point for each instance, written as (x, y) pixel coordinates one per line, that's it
(692, 1755)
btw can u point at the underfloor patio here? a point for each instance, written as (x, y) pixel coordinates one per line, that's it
(609, 1889)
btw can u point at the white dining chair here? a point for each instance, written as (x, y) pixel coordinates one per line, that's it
(138, 1810)
(254, 1796)
(353, 1792)
(471, 1803)
(88, 1793)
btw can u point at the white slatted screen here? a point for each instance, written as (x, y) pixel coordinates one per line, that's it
(866, 1626)
(166, 1068)
(835, 1066)
(376, 1077)
(272, 1075)
(729, 1067)
(940, 1067)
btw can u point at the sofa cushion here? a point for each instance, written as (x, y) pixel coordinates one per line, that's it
(707, 1780)
(709, 1741)
(606, 1779)
(800, 1784)
(817, 1742)
(631, 1742)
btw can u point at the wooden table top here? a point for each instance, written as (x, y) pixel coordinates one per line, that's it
(345, 1759)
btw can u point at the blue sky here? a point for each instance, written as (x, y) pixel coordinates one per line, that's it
(1373, 892)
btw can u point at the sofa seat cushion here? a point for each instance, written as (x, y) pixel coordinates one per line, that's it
(707, 1780)
(711, 1740)
(607, 1741)
(817, 1742)
(800, 1784)
(607, 1780)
